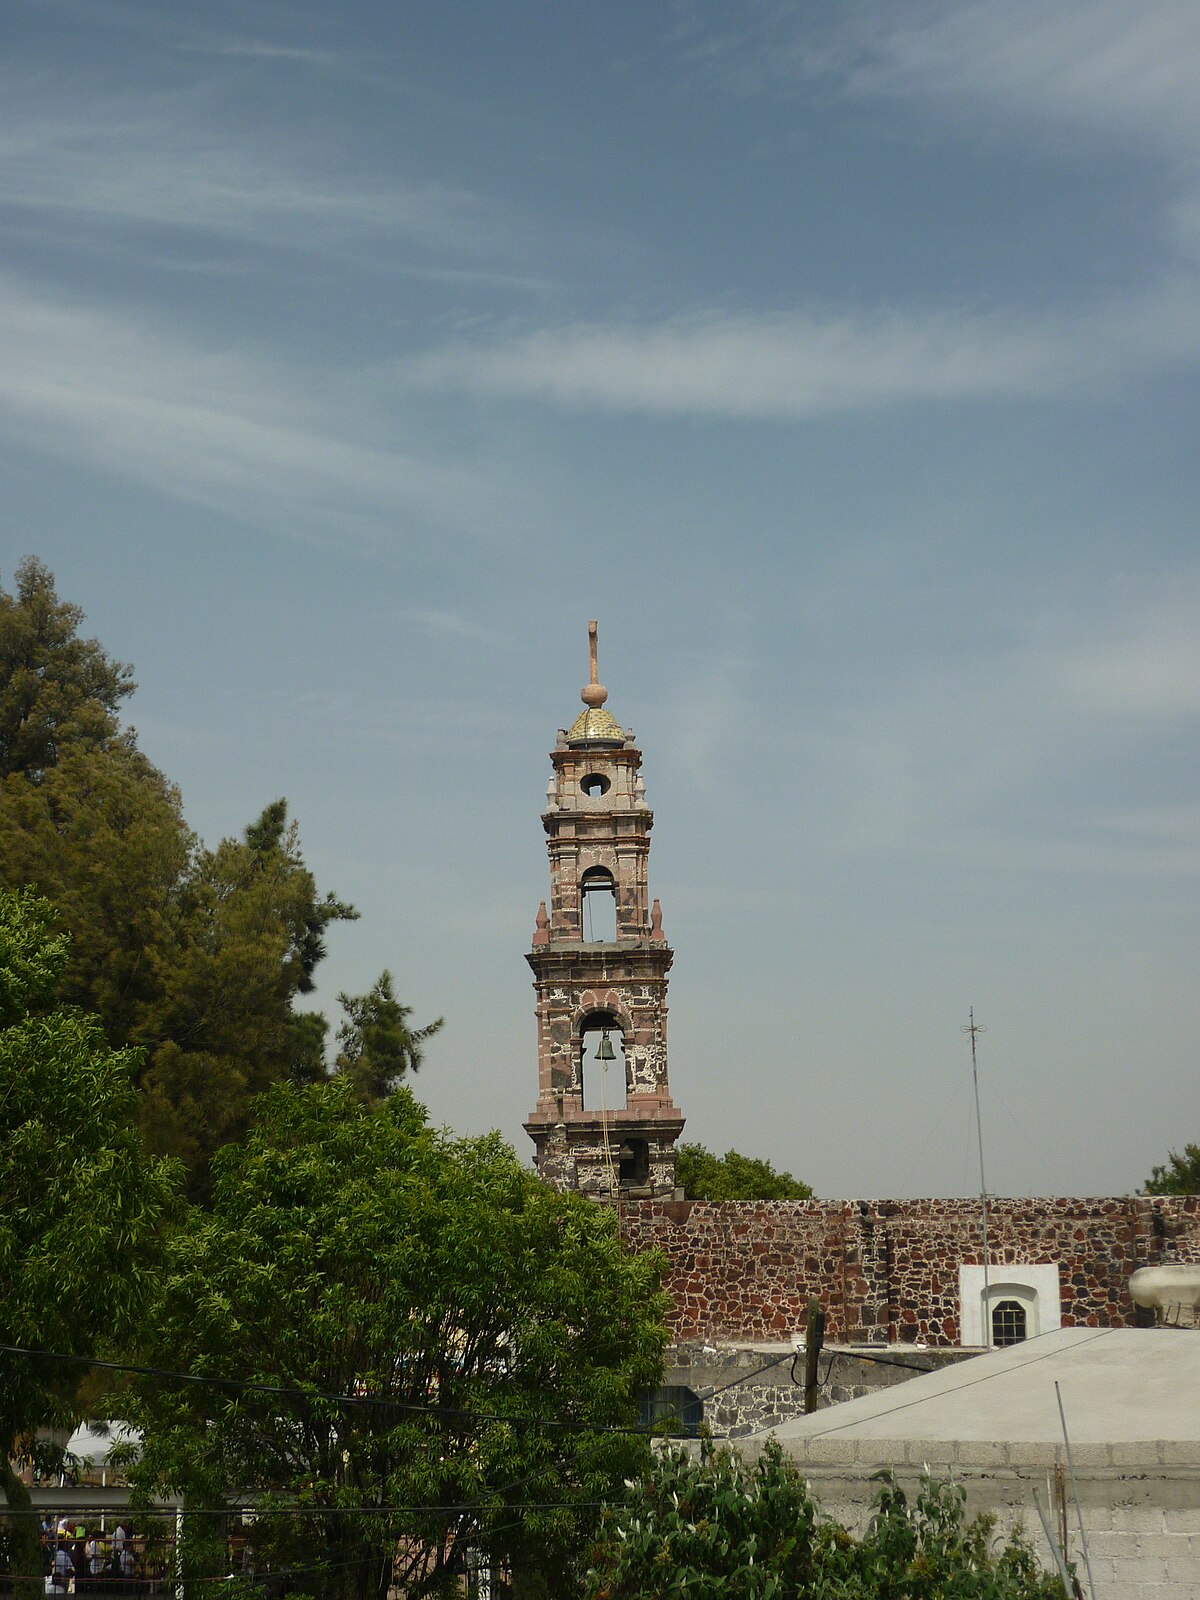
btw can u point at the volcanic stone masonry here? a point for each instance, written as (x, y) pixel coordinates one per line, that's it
(600, 962)
(887, 1271)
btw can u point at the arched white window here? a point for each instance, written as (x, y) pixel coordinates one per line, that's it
(1020, 1301)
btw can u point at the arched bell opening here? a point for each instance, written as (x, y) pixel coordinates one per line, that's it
(602, 1062)
(598, 906)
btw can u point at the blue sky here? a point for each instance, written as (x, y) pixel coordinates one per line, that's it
(842, 360)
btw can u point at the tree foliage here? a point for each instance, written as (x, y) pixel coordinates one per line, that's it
(440, 1332)
(80, 1203)
(1180, 1175)
(703, 1176)
(222, 1024)
(378, 1047)
(717, 1529)
(101, 834)
(199, 956)
(56, 689)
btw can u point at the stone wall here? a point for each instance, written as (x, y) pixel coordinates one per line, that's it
(750, 1389)
(886, 1271)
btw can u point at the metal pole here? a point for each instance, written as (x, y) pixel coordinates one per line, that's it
(1059, 1559)
(814, 1337)
(987, 1310)
(1087, 1560)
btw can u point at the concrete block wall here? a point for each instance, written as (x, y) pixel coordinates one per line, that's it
(1141, 1519)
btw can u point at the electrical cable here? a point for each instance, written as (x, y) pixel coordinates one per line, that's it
(463, 1512)
(225, 1577)
(882, 1361)
(985, 1377)
(235, 1386)
(169, 1514)
(745, 1377)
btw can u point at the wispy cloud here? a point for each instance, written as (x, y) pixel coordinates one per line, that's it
(1027, 754)
(1097, 65)
(449, 624)
(158, 161)
(277, 34)
(374, 721)
(1125, 67)
(1146, 666)
(800, 364)
(289, 448)
(1105, 65)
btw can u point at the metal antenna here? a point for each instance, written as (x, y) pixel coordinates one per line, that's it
(1087, 1560)
(973, 1028)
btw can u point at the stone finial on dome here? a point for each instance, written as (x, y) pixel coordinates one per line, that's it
(594, 725)
(593, 694)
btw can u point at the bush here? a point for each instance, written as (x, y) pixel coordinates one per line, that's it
(716, 1529)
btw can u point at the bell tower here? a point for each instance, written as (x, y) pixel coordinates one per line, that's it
(604, 1122)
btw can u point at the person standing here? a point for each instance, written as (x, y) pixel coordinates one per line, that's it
(61, 1579)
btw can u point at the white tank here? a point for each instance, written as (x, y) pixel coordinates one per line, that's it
(1175, 1284)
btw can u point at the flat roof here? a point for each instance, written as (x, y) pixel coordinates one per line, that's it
(1118, 1385)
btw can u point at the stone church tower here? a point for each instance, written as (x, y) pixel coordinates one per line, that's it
(604, 1121)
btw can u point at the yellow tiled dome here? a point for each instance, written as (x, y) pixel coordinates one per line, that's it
(595, 724)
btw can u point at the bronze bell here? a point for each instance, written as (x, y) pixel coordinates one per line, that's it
(604, 1050)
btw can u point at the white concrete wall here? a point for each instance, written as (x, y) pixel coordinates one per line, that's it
(1143, 1552)
(1140, 1503)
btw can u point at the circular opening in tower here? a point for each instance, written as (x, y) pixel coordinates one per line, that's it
(594, 784)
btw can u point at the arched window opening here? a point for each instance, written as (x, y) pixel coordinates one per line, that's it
(1009, 1325)
(594, 785)
(602, 1064)
(634, 1164)
(1032, 1287)
(599, 910)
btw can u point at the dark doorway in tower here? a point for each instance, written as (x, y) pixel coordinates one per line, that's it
(599, 909)
(633, 1170)
(602, 1062)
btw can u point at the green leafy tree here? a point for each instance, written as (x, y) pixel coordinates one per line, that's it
(446, 1343)
(198, 956)
(717, 1529)
(223, 1024)
(56, 689)
(703, 1176)
(1180, 1175)
(81, 1205)
(378, 1047)
(101, 834)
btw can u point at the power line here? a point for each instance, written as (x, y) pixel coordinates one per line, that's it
(293, 1392)
(240, 1508)
(976, 1378)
